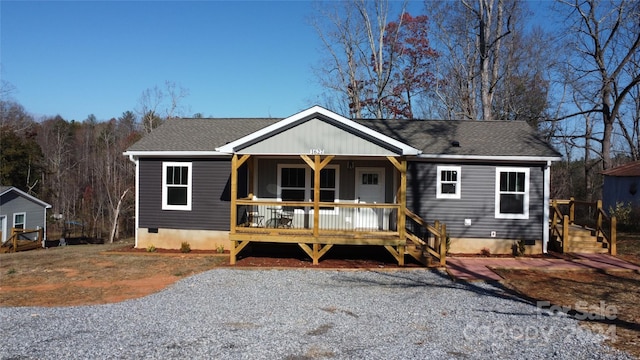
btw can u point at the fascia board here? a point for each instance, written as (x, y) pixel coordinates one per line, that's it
(490, 157)
(141, 153)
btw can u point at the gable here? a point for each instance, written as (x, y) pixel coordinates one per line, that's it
(11, 194)
(295, 135)
(319, 136)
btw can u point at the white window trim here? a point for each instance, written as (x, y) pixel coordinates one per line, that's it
(308, 173)
(439, 194)
(525, 214)
(166, 206)
(24, 221)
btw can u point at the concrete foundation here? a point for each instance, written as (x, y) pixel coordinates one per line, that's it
(173, 239)
(493, 245)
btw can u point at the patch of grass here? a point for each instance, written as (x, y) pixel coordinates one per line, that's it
(11, 271)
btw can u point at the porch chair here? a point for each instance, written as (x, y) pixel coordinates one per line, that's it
(254, 219)
(280, 217)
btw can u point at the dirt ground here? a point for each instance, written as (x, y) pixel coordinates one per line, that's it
(98, 274)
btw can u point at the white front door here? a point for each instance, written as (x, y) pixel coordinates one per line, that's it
(369, 189)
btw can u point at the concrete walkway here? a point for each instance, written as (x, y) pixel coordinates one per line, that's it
(472, 269)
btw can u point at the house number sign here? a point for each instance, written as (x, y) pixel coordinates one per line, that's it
(316, 151)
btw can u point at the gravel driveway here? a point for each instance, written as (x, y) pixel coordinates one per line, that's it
(304, 314)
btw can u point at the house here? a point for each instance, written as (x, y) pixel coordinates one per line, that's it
(20, 210)
(621, 185)
(319, 179)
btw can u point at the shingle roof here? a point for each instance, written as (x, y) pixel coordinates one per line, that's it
(433, 137)
(629, 169)
(198, 134)
(475, 138)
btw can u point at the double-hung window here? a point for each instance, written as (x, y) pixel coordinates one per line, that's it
(512, 193)
(19, 220)
(448, 182)
(176, 185)
(293, 183)
(296, 183)
(327, 186)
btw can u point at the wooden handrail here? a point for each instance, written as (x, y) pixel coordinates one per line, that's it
(611, 237)
(600, 219)
(557, 215)
(16, 233)
(438, 230)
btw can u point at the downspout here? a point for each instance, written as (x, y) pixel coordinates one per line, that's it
(545, 207)
(44, 229)
(137, 196)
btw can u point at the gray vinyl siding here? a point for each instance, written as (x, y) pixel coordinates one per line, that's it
(13, 203)
(326, 138)
(268, 177)
(477, 202)
(210, 206)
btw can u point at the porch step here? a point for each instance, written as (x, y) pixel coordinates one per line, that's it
(421, 256)
(584, 240)
(587, 247)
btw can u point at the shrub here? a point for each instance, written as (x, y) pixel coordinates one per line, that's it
(521, 247)
(185, 247)
(485, 252)
(622, 212)
(151, 248)
(220, 249)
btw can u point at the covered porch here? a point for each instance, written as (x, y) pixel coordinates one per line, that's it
(372, 212)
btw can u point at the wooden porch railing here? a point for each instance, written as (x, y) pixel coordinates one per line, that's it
(300, 216)
(345, 223)
(21, 234)
(586, 214)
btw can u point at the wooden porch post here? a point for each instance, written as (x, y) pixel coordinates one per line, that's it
(235, 247)
(316, 165)
(401, 166)
(316, 199)
(250, 172)
(403, 198)
(234, 194)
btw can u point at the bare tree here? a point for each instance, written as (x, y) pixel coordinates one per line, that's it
(604, 42)
(490, 66)
(342, 35)
(361, 57)
(158, 104)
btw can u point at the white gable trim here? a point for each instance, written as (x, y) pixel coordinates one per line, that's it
(229, 148)
(30, 197)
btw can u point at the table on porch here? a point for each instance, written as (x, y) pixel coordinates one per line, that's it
(279, 218)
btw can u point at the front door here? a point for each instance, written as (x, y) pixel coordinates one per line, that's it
(369, 189)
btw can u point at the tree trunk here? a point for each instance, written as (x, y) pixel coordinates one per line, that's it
(116, 215)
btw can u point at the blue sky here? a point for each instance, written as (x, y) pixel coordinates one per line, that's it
(236, 59)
